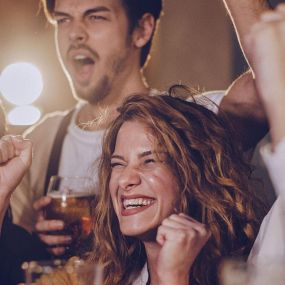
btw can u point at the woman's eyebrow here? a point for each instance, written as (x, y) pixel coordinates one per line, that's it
(117, 156)
(145, 153)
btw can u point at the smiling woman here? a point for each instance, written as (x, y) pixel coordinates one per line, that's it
(143, 188)
(174, 195)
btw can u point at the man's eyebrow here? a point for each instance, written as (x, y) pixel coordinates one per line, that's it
(96, 10)
(58, 14)
(86, 13)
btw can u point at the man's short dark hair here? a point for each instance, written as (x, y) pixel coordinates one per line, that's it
(135, 9)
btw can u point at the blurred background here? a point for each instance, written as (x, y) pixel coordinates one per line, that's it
(195, 45)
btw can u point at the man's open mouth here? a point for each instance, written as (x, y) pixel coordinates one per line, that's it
(83, 60)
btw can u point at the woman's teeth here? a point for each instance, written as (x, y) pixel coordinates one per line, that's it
(135, 203)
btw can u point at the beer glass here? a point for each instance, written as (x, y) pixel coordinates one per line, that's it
(36, 270)
(72, 200)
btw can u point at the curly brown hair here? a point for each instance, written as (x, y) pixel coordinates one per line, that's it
(213, 182)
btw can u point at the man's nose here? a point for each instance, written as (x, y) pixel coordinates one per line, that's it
(129, 178)
(78, 33)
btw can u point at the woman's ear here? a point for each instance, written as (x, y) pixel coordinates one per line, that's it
(143, 32)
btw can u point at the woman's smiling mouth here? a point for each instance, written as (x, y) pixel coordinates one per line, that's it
(133, 205)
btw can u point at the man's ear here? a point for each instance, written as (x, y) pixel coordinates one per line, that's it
(143, 32)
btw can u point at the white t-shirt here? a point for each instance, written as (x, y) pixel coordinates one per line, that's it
(80, 151)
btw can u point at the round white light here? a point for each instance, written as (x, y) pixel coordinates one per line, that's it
(24, 116)
(21, 83)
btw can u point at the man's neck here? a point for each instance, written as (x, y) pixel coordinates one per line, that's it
(98, 116)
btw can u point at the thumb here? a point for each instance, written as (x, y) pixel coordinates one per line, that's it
(160, 236)
(24, 149)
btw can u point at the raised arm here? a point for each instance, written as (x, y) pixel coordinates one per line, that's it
(242, 103)
(267, 40)
(15, 159)
(244, 14)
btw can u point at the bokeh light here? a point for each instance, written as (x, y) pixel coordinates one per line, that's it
(24, 116)
(21, 83)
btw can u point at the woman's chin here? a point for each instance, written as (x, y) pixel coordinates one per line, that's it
(142, 234)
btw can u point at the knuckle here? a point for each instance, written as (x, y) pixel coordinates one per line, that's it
(181, 235)
(44, 238)
(165, 221)
(172, 216)
(160, 229)
(192, 233)
(203, 229)
(39, 226)
(58, 251)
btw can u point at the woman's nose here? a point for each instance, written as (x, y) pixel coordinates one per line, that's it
(129, 178)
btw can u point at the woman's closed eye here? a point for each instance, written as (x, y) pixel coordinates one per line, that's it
(116, 164)
(149, 161)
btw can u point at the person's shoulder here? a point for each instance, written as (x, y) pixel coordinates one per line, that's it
(215, 96)
(210, 99)
(49, 123)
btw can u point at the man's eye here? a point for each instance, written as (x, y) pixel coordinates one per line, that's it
(96, 18)
(61, 21)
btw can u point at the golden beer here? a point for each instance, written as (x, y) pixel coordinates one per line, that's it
(74, 209)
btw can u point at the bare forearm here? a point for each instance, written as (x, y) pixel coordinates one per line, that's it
(277, 119)
(266, 40)
(244, 14)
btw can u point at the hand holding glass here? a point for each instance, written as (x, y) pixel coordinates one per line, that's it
(71, 202)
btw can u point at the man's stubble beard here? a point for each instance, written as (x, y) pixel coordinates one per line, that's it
(106, 84)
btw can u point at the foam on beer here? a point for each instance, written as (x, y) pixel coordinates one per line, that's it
(69, 194)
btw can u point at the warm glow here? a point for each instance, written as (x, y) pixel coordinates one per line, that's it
(21, 83)
(24, 116)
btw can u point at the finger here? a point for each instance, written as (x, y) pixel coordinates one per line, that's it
(52, 240)
(24, 149)
(272, 16)
(17, 138)
(175, 223)
(41, 203)
(185, 222)
(49, 225)
(200, 227)
(281, 8)
(161, 235)
(166, 233)
(57, 251)
(7, 150)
